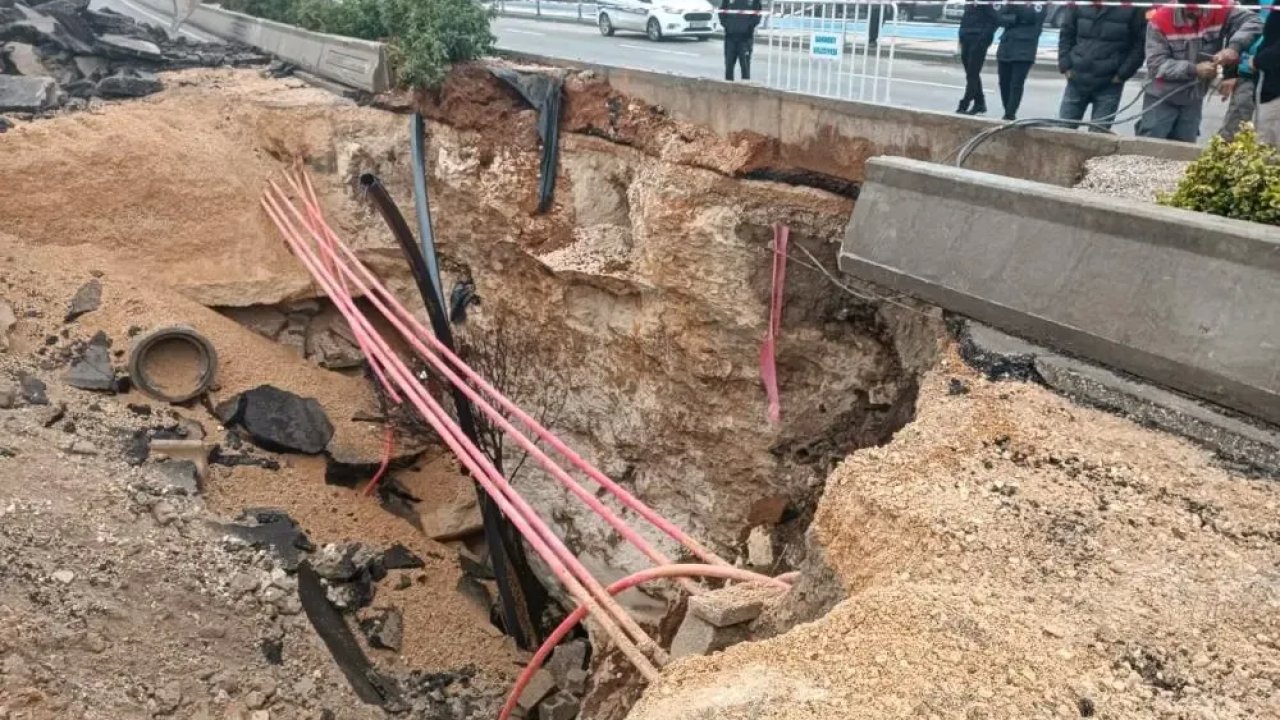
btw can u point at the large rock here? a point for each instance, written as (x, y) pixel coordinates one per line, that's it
(280, 421)
(129, 48)
(43, 31)
(129, 84)
(27, 94)
(23, 60)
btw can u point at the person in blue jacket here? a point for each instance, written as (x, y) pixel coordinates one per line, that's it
(1022, 22)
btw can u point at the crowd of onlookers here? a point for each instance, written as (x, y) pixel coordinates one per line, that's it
(1189, 50)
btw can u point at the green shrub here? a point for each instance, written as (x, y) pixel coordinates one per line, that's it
(425, 36)
(1236, 179)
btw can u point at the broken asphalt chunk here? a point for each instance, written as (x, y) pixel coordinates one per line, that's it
(399, 557)
(280, 421)
(332, 628)
(87, 299)
(274, 529)
(385, 630)
(27, 94)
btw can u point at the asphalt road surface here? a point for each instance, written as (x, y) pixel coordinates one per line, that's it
(922, 84)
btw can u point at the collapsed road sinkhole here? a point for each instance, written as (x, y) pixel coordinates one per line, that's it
(627, 318)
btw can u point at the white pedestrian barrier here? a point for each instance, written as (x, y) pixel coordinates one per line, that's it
(824, 48)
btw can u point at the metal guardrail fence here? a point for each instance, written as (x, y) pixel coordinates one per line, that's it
(825, 48)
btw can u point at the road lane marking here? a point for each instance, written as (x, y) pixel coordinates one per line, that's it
(649, 48)
(524, 32)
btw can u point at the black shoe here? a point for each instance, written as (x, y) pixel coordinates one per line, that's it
(979, 108)
(1008, 118)
(963, 107)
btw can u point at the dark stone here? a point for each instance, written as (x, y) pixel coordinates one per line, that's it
(273, 651)
(45, 32)
(125, 84)
(229, 411)
(274, 529)
(332, 628)
(137, 448)
(1086, 707)
(34, 391)
(27, 94)
(87, 299)
(139, 409)
(956, 386)
(279, 421)
(474, 565)
(68, 15)
(181, 477)
(399, 557)
(93, 371)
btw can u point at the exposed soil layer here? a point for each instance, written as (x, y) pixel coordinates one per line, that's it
(1010, 554)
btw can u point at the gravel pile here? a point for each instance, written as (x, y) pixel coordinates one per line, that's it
(1132, 176)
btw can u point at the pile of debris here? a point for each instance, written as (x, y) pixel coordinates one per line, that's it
(59, 53)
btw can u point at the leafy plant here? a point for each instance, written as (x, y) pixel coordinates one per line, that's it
(1238, 179)
(425, 36)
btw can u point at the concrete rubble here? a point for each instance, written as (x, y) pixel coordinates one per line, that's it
(60, 54)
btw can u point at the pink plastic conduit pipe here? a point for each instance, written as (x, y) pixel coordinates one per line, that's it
(544, 542)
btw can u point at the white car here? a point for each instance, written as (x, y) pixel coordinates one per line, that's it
(953, 10)
(658, 19)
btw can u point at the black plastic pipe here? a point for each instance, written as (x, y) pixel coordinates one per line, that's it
(522, 596)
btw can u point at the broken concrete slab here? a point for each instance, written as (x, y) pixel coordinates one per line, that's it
(458, 518)
(567, 656)
(561, 706)
(34, 391)
(177, 477)
(93, 370)
(1233, 438)
(733, 605)
(699, 637)
(575, 681)
(87, 299)
(385, 630)
(540, 686)
(129, 48)
(129, 84)
(760, 547)
(264, 320)
(280, 421)
(91, 67)
(27, 94)
(23, 60)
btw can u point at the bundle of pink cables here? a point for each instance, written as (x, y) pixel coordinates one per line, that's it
(343, 277)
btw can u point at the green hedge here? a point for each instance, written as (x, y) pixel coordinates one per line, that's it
(426, 36)
(1236, 179)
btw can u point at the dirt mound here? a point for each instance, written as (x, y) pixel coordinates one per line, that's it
(1011, 554)
(170, 185)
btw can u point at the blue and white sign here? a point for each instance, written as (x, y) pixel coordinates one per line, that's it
(825, 45)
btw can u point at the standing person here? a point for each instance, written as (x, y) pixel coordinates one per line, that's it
(1022, 22)
(1186, 44)
(874, 22)
(1100, 47)
(1266, 64)
(1240, 83)
(739, 25)
(977, 30)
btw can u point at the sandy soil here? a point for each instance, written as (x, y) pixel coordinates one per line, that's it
(1011, 554)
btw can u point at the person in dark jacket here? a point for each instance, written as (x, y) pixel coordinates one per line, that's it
(1022, 22)
(977, 30)
(739, 34)
(1100, 47)
(1266, 63)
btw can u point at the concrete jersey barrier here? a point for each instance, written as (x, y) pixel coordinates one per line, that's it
(1187, 300)
(360, 64)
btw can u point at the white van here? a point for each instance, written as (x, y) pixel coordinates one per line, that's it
(658, 19)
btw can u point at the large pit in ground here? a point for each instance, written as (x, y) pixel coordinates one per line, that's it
(630, 315)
